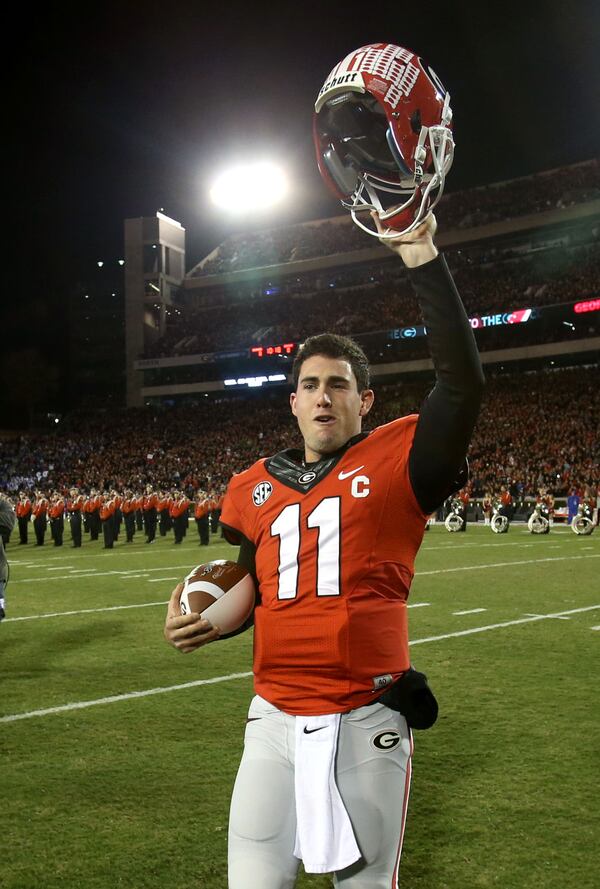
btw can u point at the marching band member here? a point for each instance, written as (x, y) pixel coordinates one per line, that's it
(75, 506)
(149, 508)
(23, 511)
(128, 508)
(107, 511)
(487, 506)
(201, 511)
(39, 512)
(178, 511)
(56, 512)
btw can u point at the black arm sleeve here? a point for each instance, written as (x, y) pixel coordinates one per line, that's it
(247, 558)
(448, 415)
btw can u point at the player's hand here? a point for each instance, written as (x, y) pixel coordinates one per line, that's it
(414, 248)
(186, 632)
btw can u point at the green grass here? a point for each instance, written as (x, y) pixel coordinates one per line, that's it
(135, 792)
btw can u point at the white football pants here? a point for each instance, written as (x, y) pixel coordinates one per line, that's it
(373, 767)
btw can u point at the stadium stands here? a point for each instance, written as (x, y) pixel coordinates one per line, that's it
(491, 203)
(351, 305)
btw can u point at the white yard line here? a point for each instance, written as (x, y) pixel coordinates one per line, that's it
(505, 564)
(80, 705)
(90, 572)
(142, 572)
(122, 550)
(496, 542)
(506, 623)
(471, 611)
(83, 611)
(122, 607)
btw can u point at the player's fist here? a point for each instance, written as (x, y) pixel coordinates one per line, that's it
(186, 632)
(414, 248)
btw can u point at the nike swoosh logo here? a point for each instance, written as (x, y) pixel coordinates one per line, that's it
(344, 475)
(309, 731)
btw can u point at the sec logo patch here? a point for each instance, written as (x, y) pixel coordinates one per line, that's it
(261, 493)
(385, 741)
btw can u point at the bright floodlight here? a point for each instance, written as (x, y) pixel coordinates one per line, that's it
(249, 187)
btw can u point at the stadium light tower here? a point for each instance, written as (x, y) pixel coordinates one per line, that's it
(249, 187)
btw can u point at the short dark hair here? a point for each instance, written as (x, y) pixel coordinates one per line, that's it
(332, 345)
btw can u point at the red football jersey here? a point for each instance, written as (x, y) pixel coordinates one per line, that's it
(334, 563)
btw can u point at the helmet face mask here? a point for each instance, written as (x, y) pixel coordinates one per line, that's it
(382, 136)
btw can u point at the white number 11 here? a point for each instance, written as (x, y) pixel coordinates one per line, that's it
(326, 518)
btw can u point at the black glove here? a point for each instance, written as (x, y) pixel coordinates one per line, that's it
(411, 696)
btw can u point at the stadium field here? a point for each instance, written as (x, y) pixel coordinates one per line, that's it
(119, 753)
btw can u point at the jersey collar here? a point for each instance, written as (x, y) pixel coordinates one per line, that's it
(290, 468)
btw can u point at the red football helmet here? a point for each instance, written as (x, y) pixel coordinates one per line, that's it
(382, 132)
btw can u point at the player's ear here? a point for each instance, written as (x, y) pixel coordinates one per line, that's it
(367, 397)
(293, 403)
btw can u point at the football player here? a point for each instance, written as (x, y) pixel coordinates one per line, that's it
(330, 531)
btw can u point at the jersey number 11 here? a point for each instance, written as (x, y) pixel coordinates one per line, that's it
(326, 518)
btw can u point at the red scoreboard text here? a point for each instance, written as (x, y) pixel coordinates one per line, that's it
(264, 351)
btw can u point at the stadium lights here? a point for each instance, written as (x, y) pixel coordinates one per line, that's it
(249, 187)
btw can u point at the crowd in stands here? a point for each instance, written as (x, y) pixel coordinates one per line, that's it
(553, 189)
(539, 430)
(355, 306)
(536, 429)
(288, 244)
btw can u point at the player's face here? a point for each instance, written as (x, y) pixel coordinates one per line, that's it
(328, 405)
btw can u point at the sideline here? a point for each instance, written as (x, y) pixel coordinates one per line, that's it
(80, 705)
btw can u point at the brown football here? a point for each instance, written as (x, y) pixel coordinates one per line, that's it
(223, 592)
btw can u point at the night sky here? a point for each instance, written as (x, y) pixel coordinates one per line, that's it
(129, 108)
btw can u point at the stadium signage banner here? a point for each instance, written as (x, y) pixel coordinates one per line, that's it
(590, 305)
(517, 316)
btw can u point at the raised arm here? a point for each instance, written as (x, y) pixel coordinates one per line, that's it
(447, 418)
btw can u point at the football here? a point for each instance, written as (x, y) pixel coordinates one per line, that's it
(223, 592)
